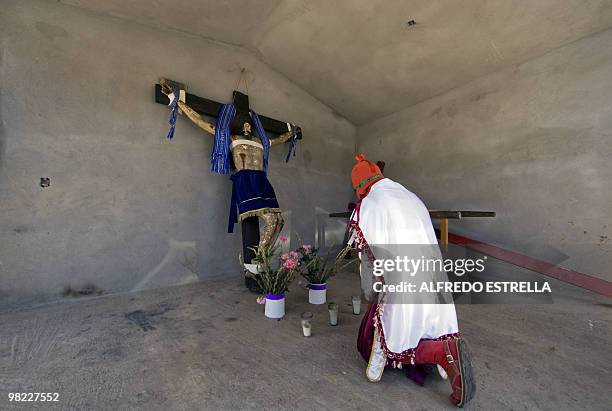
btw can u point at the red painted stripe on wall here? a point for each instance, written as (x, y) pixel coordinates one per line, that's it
(582, 280)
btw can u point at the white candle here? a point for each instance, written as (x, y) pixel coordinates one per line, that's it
(333, 313)
(306, 325)
(356, 304)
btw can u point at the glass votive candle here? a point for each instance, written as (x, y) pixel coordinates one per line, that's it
(333, 313)
(306, 321)
(356, 304)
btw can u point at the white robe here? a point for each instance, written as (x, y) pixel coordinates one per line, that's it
(390, 214)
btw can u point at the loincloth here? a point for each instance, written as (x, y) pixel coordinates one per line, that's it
(252, 195)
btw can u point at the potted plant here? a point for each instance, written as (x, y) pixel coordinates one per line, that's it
(318, 270)
(274, 278)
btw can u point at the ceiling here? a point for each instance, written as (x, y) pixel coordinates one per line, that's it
(361, 57)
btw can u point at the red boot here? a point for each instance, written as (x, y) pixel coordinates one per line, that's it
(453, 356)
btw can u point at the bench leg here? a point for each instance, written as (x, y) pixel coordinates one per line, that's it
(444, 233)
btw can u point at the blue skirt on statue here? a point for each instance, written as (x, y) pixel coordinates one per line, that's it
(252, 195)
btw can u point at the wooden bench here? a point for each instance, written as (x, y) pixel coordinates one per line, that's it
(442, 215)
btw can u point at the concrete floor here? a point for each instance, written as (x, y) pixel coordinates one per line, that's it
(209, 346)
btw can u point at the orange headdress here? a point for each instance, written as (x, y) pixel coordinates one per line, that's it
(364, 175)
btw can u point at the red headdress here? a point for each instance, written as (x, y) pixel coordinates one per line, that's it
(364, 175)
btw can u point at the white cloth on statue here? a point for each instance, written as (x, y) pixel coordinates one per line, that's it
(182, 96)
(391, 214)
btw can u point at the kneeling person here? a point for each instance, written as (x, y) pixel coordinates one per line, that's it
(407, 336)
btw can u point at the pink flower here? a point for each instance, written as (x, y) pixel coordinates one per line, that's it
(294, 255)
(261, 300)
(290, 264)
(285, 256)
(307, 248)
(282, 238)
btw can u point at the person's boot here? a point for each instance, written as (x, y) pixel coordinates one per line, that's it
(453, 356)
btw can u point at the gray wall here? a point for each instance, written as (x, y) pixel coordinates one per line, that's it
(125, 209)
(531, 142)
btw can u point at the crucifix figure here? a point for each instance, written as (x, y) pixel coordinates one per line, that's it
(240, 148)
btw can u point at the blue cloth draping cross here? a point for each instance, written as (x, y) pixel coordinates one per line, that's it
(220, 155)
(292, 144)
(173, 113)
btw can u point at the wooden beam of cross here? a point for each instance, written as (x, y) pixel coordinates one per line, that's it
(211, 108)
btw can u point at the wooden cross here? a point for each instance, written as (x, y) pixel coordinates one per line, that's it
(204, 106)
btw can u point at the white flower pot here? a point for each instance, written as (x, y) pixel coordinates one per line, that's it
(317, 293)
(253, 268)
(275, 305)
